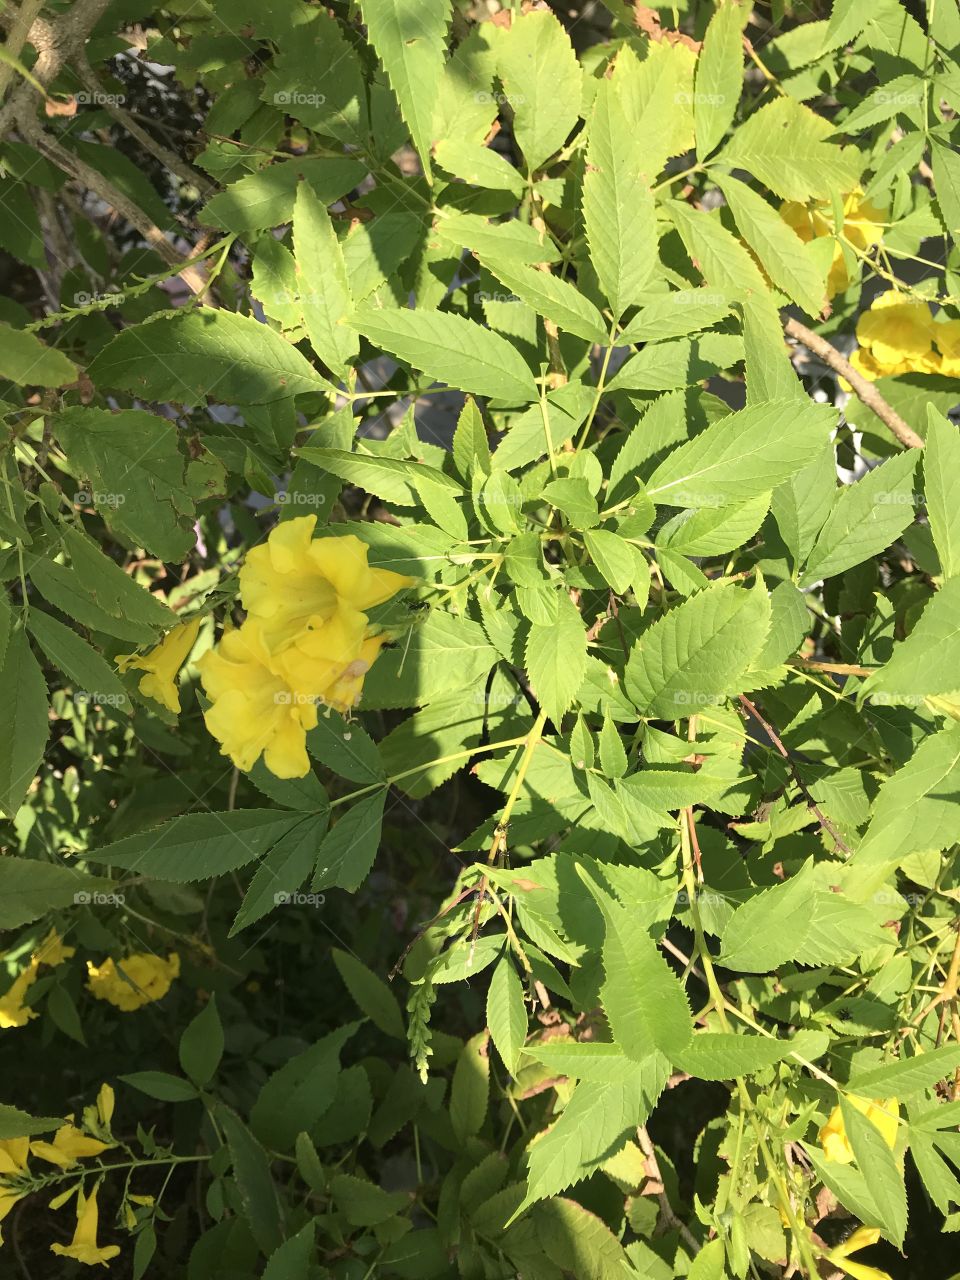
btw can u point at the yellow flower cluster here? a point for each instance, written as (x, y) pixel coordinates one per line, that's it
(883, 1114)
(14, 1012)
(69, 1146)
(138, 980)
(306, 642)
(900, 335)
(862, 226)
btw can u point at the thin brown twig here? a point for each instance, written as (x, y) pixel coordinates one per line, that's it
(865, 391)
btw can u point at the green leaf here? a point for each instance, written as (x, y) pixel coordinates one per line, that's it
(91, 674)
(26, 361)
(578, 1241)
(543, 83)
(317, 78)
(266, 198)
(201, 1044)
(375, 473)
(556, 659)
(742, 455)
(346, 748)
(292, 1261)
(720, 257)
(915, 808)
(711, 531)
(513, 243)
(644, 1001)
(363, 1203)
(23, 712)
(925, 662)
(325, 297)
(592, 1127)
(111, 589)
(551, 297)
(409, 37)
(282, 872)
(908, 1076)
(618, 203)
(678, 362)
(801, 504)
(371, 994)
(453, 350)
(875, 1161)
(723, 1055)
(251, 1172)
(718, 78)
(15, 1123)
(470, 1089)
(439, 656)
(613, 757)
(676, 314)
(349, 848)
(780, 250)
(866, 517)
(506, 1013)
(699, 652)
(709, 1262)
(946, 180)
(30, 888)
(64, 589)
(141, 484)
(200, 845)
(471, 450)
(784, 146)
(299, 1092)
(200, 353)
(571, 495)
(941, 483)
(161, 1085)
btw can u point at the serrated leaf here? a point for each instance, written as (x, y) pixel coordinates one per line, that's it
(25, 360)
(506, 1013)
(551, 297)
(471, 450)
(556, 658)
(742, 455)
(941, 481)
(200, 353)
(23, 711)
(698, 653)
(92, 675)
(723, 1055)
(409, 37)
(371, 994)
(326, 300)
(876, 1162)
(201, 1044)
(542, 79)
(347, 852)
(718, 78)
(199, 845)
(908, 1076)
(451, 349)
(618, 203)
(282, 872)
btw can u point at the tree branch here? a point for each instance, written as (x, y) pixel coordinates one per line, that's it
(23, 20)
(865, 391)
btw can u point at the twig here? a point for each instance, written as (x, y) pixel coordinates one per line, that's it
(666, 1208)
(814, 808)
(23, 20)
(864, 390)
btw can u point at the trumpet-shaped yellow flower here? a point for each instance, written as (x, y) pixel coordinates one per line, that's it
(254, 709)
(83, 1247)
(862, 1238)
(13, 1011)
(162, 664)
(105, 1102)
(862, 226)
(898, 332)
(295, 582)
(52, 951)
(13, 1163)
(947, 337)
(138, 979)
(69, 1146)
(883, 1114)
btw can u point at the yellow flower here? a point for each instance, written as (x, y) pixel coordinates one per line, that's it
(947, 337)
(105, 1101)
(883, 1114)
(13, 1156)
(138, 979)
(862, 1238)
(254, 710)
(898, 332)
(52, 951)
(69, 1145)
(83, 1247)
(295, 582)
(13, 1011)
(862, 227)
(163, 662)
